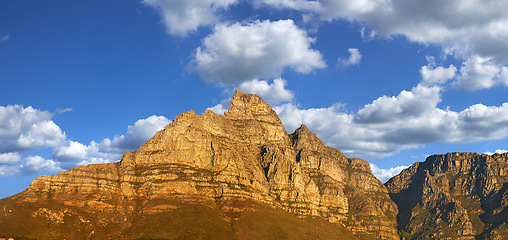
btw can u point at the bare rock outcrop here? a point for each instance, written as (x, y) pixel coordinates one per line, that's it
(453, 196)
(232, 169)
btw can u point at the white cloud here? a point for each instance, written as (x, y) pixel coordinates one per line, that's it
(273, 93)
(480, 122)
(304, 5)
(38, 163)
(390, 124)
(181, 17)
(354, 59)
(408, 104)
(137, 134)
(463, 28)
(479, 73)
(385, 174)
(60, 111)
(71, 153)
(27, 128)
(239, 52)
(219, 109)
(73, 150)
(15, 119)
(437, 75)
(30, 164)
(9, 158)
(23, 129)
(498, 151)
(41, 134)
(8, 170)
(503, 77)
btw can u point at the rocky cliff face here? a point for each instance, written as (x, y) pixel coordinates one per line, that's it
(239, 175)
(453, 196)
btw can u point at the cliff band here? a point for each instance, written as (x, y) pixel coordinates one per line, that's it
(237, 175)
(453, 196)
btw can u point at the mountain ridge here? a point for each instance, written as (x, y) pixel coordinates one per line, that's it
(235, 168)
(453, 196)
(242, 176)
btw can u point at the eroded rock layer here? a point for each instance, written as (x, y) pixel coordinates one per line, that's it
(237, 175)
(453, 196)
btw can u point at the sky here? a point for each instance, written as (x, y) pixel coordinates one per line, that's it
(389, 81)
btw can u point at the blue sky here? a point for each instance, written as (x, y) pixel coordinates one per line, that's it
(385, 80)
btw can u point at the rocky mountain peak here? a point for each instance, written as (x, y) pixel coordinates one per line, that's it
(304, 138)
(242, 176)
(304, 131)
(250, 106)
(238, 169)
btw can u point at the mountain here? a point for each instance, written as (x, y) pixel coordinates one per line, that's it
(234, 176)
(453, 196)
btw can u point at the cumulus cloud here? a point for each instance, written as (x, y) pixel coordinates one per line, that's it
(71, 153)
(23, 129)
(459, 25)
(8, 170)
(15, 119)
(41, 134)
(9, 158)
(71, 150)
(385, 174)
(137, 134)
(408, 104)
(38, 163)
(498, 151)
(181, 17)
(27, 128)
(219, 109)
(240, 52)
(30, 164)
(479, 73)
(475, 31)
(463, 28)
(390, 124)
(354, 59)
(273, 93)
(503, 77)
(437, 75)
(303, 5)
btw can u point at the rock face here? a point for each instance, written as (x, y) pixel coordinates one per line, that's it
(453, 196)
(237, 175)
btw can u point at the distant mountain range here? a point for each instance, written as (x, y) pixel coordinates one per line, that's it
(242, 176)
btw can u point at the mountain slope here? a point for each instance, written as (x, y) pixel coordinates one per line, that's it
(454, 196)
(237, 175)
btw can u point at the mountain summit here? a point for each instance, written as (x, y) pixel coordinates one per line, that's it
(242, 176)
(232, 176)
